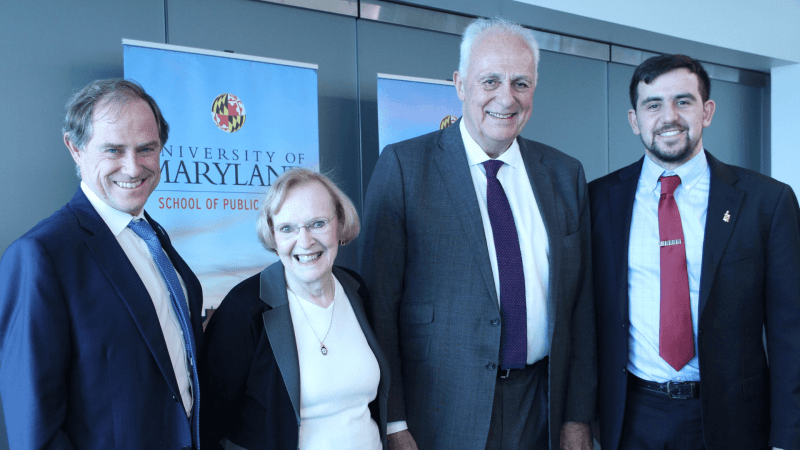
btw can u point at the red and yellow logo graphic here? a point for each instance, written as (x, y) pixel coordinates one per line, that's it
(447, 121)
(228, 113)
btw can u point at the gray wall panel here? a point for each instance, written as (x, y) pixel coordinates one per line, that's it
(735, 133)
(396, 50)
(569, 109)
(283, 32)
(50, 49)
(624, 147)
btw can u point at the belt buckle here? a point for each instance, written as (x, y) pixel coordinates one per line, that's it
(506, 374)
(678, 394)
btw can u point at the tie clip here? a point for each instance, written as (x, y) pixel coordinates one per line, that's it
(672, 242)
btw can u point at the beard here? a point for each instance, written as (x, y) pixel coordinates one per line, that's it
(677, 155)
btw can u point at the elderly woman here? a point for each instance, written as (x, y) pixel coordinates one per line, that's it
(289, 359)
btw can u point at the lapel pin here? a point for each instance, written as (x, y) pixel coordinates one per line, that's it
(726, 217)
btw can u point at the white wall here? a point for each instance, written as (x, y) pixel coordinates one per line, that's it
(786, 124)
(740, 33)
(767, 28)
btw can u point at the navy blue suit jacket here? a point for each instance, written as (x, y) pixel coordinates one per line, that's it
(750, 281)
(83, 361)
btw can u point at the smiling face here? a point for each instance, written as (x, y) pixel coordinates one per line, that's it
(497, 91)
(670, 116)
(120, 162)
(307, 257)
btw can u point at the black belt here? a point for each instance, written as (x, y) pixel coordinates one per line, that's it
(672, 389)
(505, 373)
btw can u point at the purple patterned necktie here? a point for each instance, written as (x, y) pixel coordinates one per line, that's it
(514, 334)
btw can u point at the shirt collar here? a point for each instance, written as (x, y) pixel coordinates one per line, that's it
(476, 155)
(690, 172)
(115, 219)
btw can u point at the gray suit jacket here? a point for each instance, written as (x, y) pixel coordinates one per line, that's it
(426, 263)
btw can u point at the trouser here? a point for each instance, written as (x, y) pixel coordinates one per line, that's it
(520, 409)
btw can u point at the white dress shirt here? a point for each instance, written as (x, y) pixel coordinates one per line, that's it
(136, 250)
(644, 264)
(532, 236)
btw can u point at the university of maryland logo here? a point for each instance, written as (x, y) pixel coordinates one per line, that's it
(228, 113)
(447, 121)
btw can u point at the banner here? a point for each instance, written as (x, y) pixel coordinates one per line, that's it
(409, 107)
(236, 123)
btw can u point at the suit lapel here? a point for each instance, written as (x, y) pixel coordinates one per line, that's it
(357, 303)
(724, 200)
(113, 261)
(455, 174)
(278, 325)
(621, 197)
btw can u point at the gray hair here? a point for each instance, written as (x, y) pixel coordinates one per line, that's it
(112, 91)
(484, 27)
(346, 214)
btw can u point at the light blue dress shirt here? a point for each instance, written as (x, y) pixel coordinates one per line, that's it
(644, 264)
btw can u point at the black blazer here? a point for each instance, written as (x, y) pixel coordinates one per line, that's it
(750, 281)
(249, 369)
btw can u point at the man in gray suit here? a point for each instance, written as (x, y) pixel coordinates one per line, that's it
(477, 258)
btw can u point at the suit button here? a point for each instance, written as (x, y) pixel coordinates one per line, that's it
(175, 398)
(624, 370)
(495, 322)
(490, 366)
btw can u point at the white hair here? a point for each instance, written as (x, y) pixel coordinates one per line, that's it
(485, 27)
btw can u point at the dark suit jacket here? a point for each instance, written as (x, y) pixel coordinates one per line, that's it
(750, 280)
(84, 361)
(249, 368)
(425, 259)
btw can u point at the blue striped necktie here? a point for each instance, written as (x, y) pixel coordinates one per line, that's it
(145, 231)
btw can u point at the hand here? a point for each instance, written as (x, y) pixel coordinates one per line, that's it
(402, 440)
(576, 436)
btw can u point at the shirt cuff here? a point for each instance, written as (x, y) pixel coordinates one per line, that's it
(394, 427)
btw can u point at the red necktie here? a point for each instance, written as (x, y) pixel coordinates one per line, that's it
(676, 344)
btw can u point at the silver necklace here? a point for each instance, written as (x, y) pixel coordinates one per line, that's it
(322, 348)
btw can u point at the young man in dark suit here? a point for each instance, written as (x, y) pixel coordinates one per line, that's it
(693, 260)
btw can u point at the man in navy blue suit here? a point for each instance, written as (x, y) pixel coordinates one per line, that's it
(694, 260)
(99, 326)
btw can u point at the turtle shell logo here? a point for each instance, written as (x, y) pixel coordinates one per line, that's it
(228, 113)
(447, 121)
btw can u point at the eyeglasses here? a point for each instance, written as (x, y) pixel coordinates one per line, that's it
(316, 226)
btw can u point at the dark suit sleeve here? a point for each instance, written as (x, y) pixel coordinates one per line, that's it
(582, 384)
(224, 365)
(34, 347)
(782, 303)
(382, 264)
